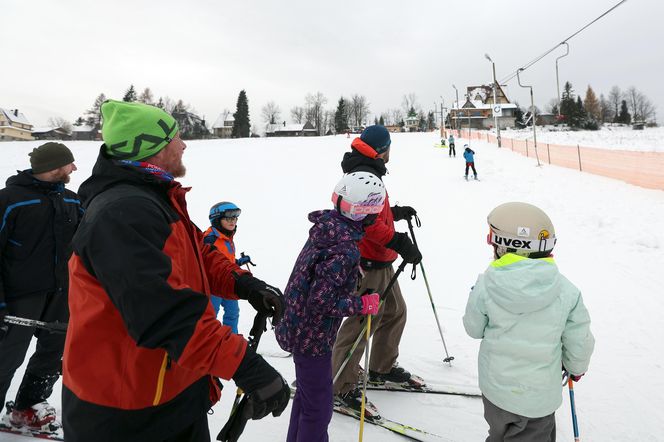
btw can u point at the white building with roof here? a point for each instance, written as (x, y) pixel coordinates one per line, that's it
(477, 111)
(14, 126)
(223, 126)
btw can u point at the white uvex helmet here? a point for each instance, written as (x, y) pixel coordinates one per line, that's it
(521, 228)
(359, 194)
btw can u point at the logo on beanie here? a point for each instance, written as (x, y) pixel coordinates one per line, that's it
(139, 141)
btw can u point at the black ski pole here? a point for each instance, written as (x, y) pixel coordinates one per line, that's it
(448, 358)
(400, 269)
(53, 327)
(259, 326)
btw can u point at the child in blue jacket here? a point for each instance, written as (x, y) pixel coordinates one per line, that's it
(320, 293)
(532, 322)
(468, 155)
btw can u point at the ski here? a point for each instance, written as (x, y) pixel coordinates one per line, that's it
(56, 435)
(389, 386)
(406, 431)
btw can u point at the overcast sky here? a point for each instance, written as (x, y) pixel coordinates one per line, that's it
(57, 56)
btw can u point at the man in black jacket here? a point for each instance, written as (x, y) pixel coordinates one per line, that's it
(39, 218)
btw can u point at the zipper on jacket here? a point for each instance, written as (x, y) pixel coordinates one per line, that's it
(165, 365)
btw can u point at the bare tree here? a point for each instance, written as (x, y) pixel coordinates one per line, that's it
(146, 96)
(61, 123)
(615, 98)
(387, 119)
(271, 112)
(409, 102)
(297, 114)
(396, 116)
(552, 106)
(645, 108)
(605, 109)
(359, 110)
(314, 110)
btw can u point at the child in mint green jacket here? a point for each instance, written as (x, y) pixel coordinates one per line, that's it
(532, 322)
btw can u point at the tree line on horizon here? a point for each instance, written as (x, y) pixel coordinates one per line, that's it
(353, 112)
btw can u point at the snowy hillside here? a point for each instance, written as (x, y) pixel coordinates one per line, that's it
(650, 139)
(611, 245)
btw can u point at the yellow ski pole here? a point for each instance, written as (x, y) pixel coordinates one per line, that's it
(366, 377)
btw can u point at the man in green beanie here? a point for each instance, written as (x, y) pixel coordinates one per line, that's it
(38, 220)
(144, 349)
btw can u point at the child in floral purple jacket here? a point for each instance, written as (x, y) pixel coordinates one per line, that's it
(320, 293)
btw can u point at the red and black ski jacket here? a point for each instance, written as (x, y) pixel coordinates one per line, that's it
(143, 343)
(374, 254)
(37, 222)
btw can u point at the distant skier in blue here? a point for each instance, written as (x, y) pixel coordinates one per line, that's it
(451, 143)
(468, 154)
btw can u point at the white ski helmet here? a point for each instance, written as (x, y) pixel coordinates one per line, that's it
(359, 194)
(522, 229)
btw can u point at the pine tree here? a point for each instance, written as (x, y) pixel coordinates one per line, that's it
(93, 115)
(570, 108)
(381, 121)
(591, 105)
(241, 125)
(341, 117)
(130, 95)
(624, 117)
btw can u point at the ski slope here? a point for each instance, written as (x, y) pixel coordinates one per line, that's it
(611, 245)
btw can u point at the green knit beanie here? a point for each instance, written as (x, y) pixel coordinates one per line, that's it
(135, 131)
(50, 156)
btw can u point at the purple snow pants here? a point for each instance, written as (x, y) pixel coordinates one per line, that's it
(312, 406)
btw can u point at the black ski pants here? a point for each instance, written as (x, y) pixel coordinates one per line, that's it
(45, 365)
(452, 150)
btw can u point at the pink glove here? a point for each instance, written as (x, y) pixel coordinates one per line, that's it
(370, 303)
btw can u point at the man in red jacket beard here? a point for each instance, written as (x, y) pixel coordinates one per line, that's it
(144, 349)
(379, 248)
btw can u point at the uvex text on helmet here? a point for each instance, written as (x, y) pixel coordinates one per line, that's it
(359, 194)
(521, 228)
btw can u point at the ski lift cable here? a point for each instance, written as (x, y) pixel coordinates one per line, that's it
(529, 64)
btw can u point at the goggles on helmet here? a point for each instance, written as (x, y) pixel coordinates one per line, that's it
(362, 208)
(225, 213)
(543, 243)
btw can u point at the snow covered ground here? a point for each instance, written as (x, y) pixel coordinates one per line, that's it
(650, 139)
(611, 245)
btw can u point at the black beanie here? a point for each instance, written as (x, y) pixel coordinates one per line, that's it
(50, 156)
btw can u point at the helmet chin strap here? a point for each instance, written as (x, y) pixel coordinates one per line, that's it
(338, 204)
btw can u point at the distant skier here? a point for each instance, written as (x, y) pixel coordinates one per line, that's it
(469, 156)
(223, 219)
(451, 142)
(532, 322)
(320, 293)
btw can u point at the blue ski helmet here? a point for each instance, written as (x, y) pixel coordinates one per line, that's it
(224, 209)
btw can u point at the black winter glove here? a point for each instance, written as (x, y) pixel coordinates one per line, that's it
(266, 391)
(263, 297)
(402, 244)
(405, 212)
(3, 327)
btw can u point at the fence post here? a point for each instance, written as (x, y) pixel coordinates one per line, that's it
(526, 148)
(548, 154)
(578, 150)
(512, 144)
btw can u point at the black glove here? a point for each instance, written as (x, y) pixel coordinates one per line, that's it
(3, 327)
(266, 391)
(402, 244)
(263, 297)
(405, 212)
